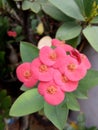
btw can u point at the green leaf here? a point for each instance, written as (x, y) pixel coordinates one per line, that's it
(81, 121)
(2, 125)
(74, 42)
(81, 6)
(23, 88)
(70, 8)
(28, 51)
(68, 30)
(54, 12)
(3, 94)
(1, 4)
(81, 94)
(90, 80)
(6, 102)
(42, 1)
(72, 102)
(27, 103)
(26, 5)
(35, 7)
(88, 7)
(57, 114)
(91, 34)
(18, 29)
(92, 128)
(95, 20)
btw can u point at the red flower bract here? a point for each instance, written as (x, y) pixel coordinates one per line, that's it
(64, 83)
(72, 69)
(81, 58)
(50, 56)
(26, 75)
(47, 55)
(51, 92)
(12, 33)
(43, 72)
(58, 43)
(85, 61)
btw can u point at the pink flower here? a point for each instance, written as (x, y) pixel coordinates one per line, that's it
(12, 33)
(47, 55)
(61, 55)
(50, 56)
(71, 68)
(85, 61)
(58, 43)
(51, 92)
(64, 83)
(26, 75)
(75, 54)
(43, 72)
(81, 58)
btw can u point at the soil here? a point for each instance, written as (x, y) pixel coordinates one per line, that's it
(34, 123)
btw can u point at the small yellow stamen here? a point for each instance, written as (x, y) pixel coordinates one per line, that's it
(53, 56)
(64, 79)
(43, 68)
(51, 89)
(71, 67)
(74, 125)
(27, 74)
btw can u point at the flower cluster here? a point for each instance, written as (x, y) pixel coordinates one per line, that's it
(11, 33)
(57, 70)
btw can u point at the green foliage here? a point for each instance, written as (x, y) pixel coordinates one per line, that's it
(90, 81)
(5, 104)
(2, 124)
(34, 6)
(28, 51)
(76, 15)
(81, 6)
(88, 7)
(72, 102)
(69, 8)
(91, 33)
(95, 20)
(81, 121)
(85, 12)
(23, 88)
(57, 114)
(54, 12)
(68, 30)
(27, 103)
(2, 3)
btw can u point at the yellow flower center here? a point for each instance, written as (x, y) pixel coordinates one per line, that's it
(71, 67)
(51, 90)
(43, 68)
(27, 74)
(53, 56)
(64, 79)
